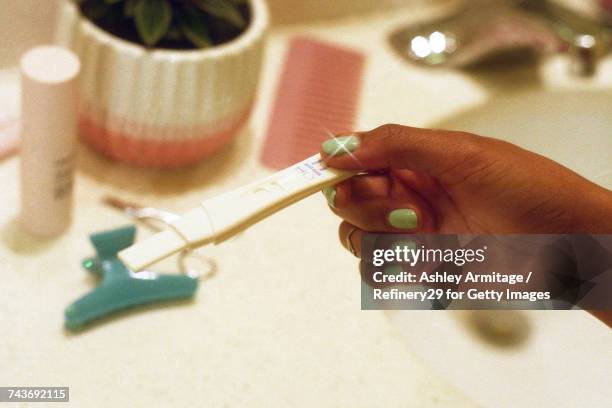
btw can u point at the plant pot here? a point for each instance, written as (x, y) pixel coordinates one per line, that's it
(157, 107)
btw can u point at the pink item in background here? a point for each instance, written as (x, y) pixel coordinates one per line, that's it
(49, 108)
(188, 145)
(9, 137)
(9, 112)
(316, 97)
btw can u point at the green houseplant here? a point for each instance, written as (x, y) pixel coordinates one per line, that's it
(164, 83)
(170, 23)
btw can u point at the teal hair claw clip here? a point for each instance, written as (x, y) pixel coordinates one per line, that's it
(121, 288)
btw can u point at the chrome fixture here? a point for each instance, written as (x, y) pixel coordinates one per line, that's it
(481, 31)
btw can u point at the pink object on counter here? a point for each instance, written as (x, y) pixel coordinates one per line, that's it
(9, 138)
(49, 108)
(316, 97)
(188, 145)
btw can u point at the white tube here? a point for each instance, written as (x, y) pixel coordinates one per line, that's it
(49, 78)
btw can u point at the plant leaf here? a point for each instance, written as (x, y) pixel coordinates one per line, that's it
(193, 28)
(94, 10)
(223, 9)
(153, 18)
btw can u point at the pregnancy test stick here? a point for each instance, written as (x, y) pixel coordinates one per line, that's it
(221, 217)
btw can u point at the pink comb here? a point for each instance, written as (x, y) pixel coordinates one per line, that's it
(316, 97)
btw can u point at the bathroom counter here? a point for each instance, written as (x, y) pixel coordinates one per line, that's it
(280, 323)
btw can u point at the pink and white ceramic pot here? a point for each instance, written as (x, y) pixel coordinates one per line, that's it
(162, 108)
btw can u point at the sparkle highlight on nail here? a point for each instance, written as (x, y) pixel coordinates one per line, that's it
(340, 145)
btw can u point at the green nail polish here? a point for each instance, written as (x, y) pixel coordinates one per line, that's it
(330, 195)
(409, 244)
(340, 145)
(393, 269)
(403, 218)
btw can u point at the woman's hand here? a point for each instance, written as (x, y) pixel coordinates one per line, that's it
(452, 182)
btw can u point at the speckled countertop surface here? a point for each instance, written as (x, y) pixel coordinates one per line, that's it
(279, 325)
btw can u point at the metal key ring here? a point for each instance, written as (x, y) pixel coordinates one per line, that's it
(146, 214)
(194, 273)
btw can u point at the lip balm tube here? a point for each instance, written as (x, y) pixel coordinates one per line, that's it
(49, 79)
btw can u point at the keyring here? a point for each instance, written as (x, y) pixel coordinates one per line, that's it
(349, 243)
(194, 273)
(146, 214)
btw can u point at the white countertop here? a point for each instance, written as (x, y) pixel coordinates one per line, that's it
(280, 324)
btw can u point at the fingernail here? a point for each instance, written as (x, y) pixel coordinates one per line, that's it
(393, 269)
(330, 195)
(409, 244)
(403, 218)
(340, 145)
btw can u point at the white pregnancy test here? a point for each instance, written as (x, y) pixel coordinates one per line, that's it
(220, 217)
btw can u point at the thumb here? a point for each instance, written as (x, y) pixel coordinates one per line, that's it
(435, 152)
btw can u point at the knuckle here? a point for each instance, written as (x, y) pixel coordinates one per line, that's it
(472, 144)
(474, 148)
(391, 140)
(390, 131)
(473, 158)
